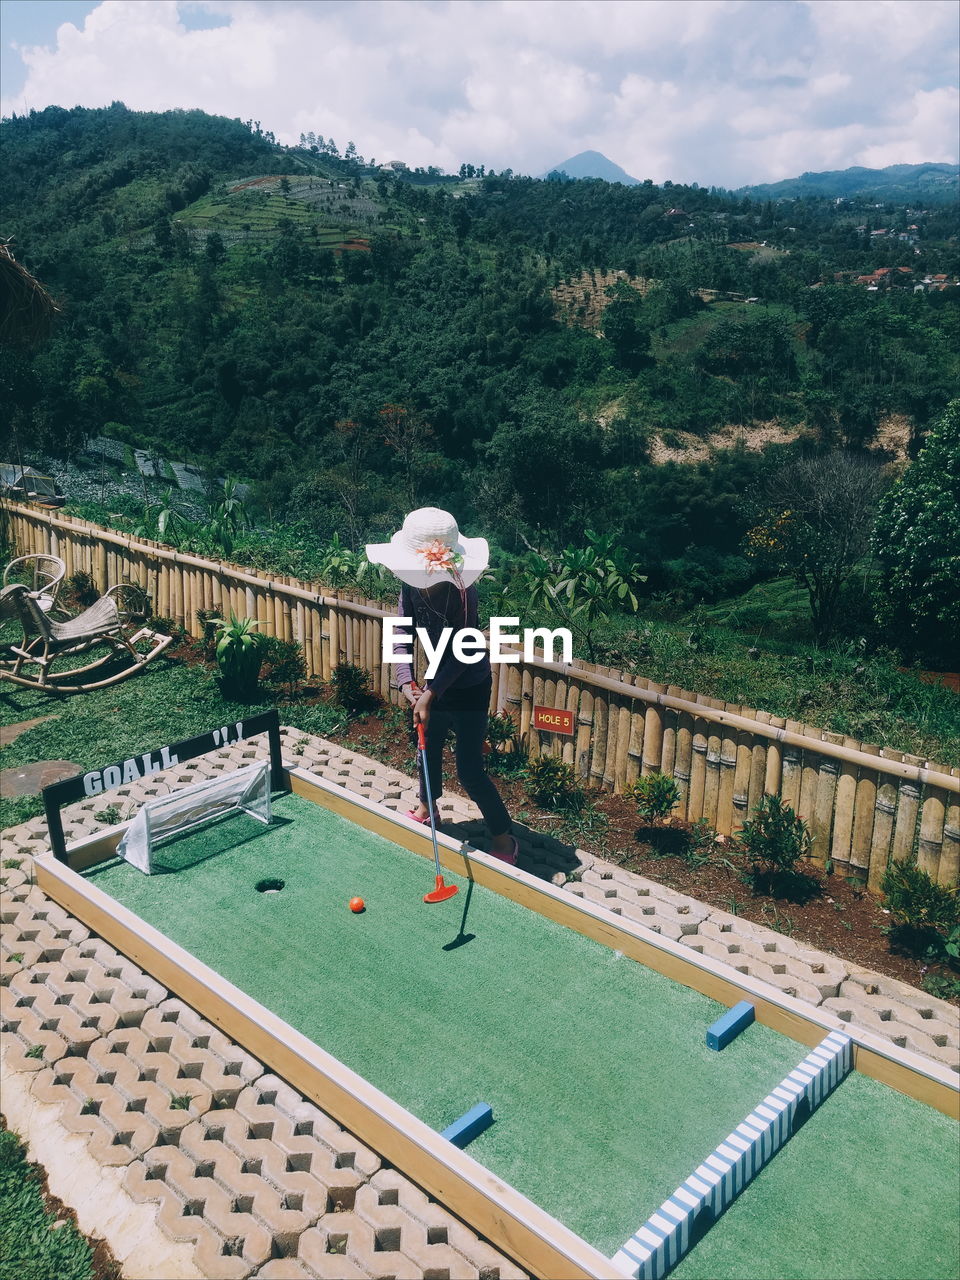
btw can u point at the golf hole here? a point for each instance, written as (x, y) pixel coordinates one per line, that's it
(269, 886)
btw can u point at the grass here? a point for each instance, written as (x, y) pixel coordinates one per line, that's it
(781, 604)
(32, 1247)
(838, 688)
(164, 703)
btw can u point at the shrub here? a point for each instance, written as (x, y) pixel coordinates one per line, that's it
(553, 783)
(700, 846)
(170, 627)
(208, 620)
(926, 915)
(239, 655)
(501, 730)
(942, 986)
(656, 795)
(917, 901)
(80, 587)
(351, 687)
(284, 664)
(774, 838)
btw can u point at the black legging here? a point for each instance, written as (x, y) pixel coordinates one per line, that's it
(465, 711)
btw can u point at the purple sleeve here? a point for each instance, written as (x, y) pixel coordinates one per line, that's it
(404, 672)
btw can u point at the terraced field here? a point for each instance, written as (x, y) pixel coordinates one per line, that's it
(253, 208)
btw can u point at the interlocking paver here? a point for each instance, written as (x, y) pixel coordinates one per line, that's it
(322, 1252)
(283, 1269)
(903, 1034)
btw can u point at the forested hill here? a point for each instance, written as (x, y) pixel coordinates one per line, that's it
(359, 337)
(906, 182)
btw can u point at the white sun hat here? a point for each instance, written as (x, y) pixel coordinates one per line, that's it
(430, 549)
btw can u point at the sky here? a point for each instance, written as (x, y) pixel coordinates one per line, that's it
(725, 92)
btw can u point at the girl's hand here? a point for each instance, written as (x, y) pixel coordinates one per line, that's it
(421, 708)
(413, 693)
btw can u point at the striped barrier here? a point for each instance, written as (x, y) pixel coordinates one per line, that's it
(695, 1205)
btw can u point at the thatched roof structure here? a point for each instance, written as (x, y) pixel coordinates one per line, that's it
(27, 311)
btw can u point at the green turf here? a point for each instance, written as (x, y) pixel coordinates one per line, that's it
(604, 1093)
(867, 1190)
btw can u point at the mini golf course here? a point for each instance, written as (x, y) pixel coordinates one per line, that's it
(604, 1094)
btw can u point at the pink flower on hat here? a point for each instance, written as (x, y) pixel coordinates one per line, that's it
(439, 558)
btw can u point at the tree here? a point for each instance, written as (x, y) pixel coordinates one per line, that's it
(215, 248)
(584, 585)
(816, 516)
(917, 542)
(622, 326)
(408, 437)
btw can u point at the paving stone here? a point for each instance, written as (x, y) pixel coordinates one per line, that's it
(103, 1208)
(442, 1228)
(375, 1250)
(220, 1259)
(919, 1026)
(283, 1269)
(424, 1243)
(880, 984)
(776, 974)
(323, 1252)
(824, 975)
(29, 1044)
(904, 1034)
(246, 1170)
(15, 877)
(348, 1152)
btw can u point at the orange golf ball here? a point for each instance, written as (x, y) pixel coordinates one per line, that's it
(357, 904)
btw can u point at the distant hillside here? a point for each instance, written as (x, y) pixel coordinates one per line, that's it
(357, 341)
(931, 182)
(593, 164)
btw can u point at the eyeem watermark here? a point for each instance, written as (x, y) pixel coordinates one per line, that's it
(469, 645)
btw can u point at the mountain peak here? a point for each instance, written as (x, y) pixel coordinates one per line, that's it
(592, 164)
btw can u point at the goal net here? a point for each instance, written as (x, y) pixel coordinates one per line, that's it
(243, 791)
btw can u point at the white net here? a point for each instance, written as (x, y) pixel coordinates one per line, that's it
(243, 791)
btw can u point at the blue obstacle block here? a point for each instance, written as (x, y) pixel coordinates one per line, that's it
(469, 1125)
(730, 1025)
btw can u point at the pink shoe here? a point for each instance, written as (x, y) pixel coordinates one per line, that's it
(509, 858)
(412, 814)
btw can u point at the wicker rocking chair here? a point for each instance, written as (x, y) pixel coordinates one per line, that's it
(113, 623)
(43, 577)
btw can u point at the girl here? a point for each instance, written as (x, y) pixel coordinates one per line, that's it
(437, 569)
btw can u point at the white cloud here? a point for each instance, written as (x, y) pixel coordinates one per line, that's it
(932, 116)
(715, 91)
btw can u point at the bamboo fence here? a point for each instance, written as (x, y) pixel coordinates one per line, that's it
(865, 806)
